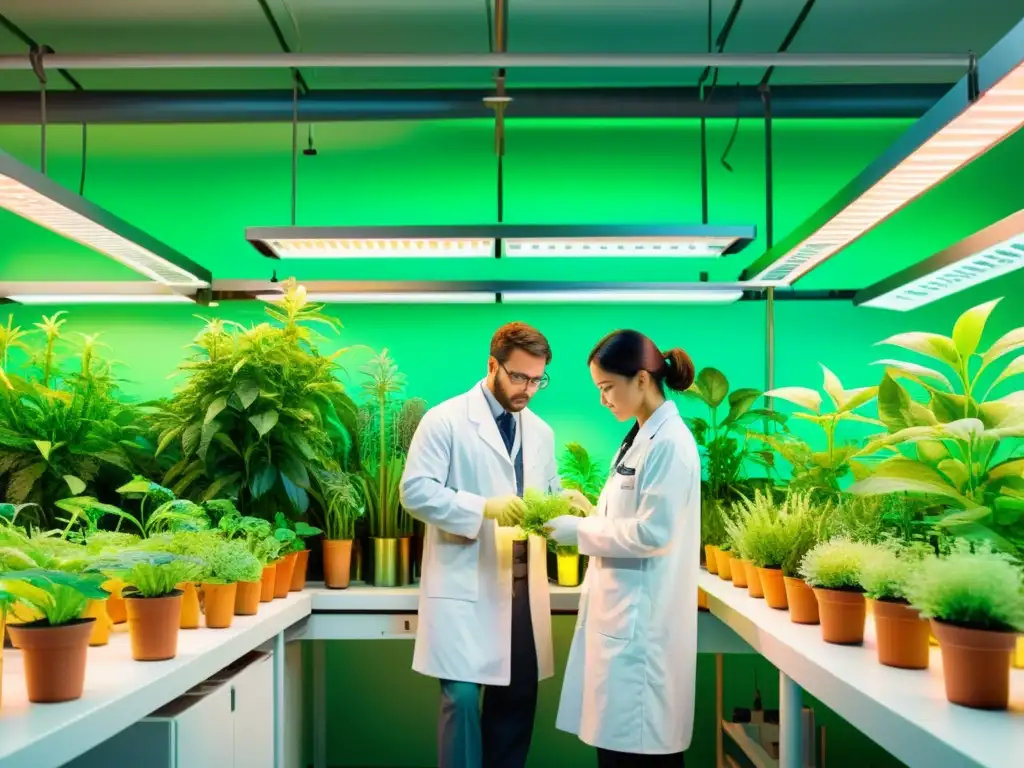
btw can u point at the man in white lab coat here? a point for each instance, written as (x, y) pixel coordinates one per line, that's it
(484, 612)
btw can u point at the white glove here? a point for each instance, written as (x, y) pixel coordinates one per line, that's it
(563, 530)
(578, 501)
(507, 510)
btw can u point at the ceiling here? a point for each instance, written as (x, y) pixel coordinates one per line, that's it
(461, 26)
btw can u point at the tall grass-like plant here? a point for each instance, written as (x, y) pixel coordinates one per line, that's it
(343, 504)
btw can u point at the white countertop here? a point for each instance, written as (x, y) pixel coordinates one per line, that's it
(360, 598)
(905, 711)
(120, 691)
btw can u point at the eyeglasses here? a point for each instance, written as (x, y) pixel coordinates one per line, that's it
(520, 379)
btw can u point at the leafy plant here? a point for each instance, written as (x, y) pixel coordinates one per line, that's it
(150, 574)
(231, 561)
(774, 534)
(57, 596)
(579, 472)
(836, 564)
(884, 575)
(977, 590)
(260, 411)
(299, 530)
(343, 504)
(541, 508)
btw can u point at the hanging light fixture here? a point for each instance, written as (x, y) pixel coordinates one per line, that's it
(80, 292)
(624, 295)
(980, 111)
(991, 252)
(408, 297)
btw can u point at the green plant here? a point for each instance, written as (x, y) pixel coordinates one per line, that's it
(343, 504)
(541, 508)
(150, 574)
(578, 471)
(260, 411)
(775, 534)
(977, 590)
(231, 561)
(713, 530)
(884, 575)
(836, 564)
(59, 597)
(299, 532)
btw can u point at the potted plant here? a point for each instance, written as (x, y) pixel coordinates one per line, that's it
(901, 632)
(227, 564)
(541, 508)
(251, 531)
(288, 551)
(712, 532)
(303, 532)
(802, 534)
(833, 569)
(975, 601)
(767, 540)
(54, 648)
(579, 471)
(267, 549)
(735, 530)
(343, 505)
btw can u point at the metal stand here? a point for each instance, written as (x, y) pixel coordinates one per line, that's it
(791, 744)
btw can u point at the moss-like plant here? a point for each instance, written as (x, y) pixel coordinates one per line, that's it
(979, 590)
(541, 508)
(231, 561)
(884, 575)
(836, 564)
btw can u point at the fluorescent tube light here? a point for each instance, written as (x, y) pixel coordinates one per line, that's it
(622, 297)
(436, 297)
(83, 292)
(989, 253)
(35, 197)
(512, 240)
(98, 298)
(954, 132)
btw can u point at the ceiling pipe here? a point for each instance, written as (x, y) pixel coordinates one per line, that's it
(492, 61)
(796, 101)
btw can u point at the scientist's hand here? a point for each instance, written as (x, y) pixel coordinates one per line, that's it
(563, 530)
(578, 501)
(507, 510)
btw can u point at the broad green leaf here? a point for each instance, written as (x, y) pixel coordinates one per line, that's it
(740, 401)
(217, 486)
(932, 451)
(215, 408)
(931, 345)
(855, 398)
(955, 470)
(903, 436)
(1014, 368)
(1011, 426)
(970, 326)
(919, 373)
(75, 484)
(190, 438)
(263, 480)
(227, 442)
(861, 471)
(247, 391)
(964, 429)
(296, 495)
(168, 437)
(264, 422)
(947, 407)
(970, 515)
(44, 446)
(902, 475)
(1009, 342)
(1008, 511)
(714, 385)
(210, 429)
(292, 468)
(1009, 468)
(833, 388)
(805, 398)
(894, 405)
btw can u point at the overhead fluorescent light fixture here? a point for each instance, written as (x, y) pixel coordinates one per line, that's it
(511, 240)
(136, 292)
(954, 132)
(396, 297)
(625, 296)
(35, 197)
(992, 252)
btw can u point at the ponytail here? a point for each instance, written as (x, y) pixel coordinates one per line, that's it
(679, 370)
(626, 353)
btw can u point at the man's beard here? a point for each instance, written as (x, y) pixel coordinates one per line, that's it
(506, 401)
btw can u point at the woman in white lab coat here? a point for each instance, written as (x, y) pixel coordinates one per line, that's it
(629, 681)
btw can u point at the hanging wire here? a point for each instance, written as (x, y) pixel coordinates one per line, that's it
(85, 154)
(295, 145)
(35, 56)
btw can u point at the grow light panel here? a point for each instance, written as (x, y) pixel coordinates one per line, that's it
(135, 292)
(950, 135)
(98, 298)
(412, 297)
(486, 241)
(994, 251)
(35, 197)
(584, 296)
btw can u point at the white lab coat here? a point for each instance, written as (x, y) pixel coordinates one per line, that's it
(456, 461)
(629, 681)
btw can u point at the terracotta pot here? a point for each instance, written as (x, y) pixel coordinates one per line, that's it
(976, 665)
(724, 560)
(337, 563)
(54, 658)
(115, 603)
(774, 587)
(190, 609)
(153, 624)
(803, 605)
(219, 604)
(702, 600)
(267, 580)
(97, 609)
(709, 558)
(247, 598)
(902, 635)
(753, 579)
(299, 574)
(739, 572)
(283, 577)
(1018, 656)
(842, 615)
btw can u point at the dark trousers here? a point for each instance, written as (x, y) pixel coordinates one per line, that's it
(608, 759)
(496, 734)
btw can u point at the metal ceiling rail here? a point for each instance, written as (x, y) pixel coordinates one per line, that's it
(293, 60)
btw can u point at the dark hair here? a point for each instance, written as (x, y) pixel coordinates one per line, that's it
(626, 353)
(513, 336)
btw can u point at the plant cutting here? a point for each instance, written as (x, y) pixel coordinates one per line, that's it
(227, 564)
(541, 508)
(901, 632)
(342, 508)
(833, 569)
(54, 647)
(975, 601)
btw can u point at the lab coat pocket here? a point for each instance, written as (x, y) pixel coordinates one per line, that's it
(454, 574)
(614, 598)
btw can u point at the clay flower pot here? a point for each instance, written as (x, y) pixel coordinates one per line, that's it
(739, 572)
(247, 597)
(97, 609)
(753, 580)
(299, 574)
(702, 600)
(283, 577)
(115, 603)
(724, 561)
(709, 558)
(337, 563)
(902, 635)
(774, 587)
(219, 604)
(267, 580)
(842, 615)
(153, 624)
(975, 664)
(190, 609)
(803, 605)
(54, 658)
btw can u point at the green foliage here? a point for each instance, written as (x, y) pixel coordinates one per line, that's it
(884, 575)
(541, 508)
(59, 596)
(774, 535)
(979, 590)
(343, 504)
(836, 564)
(231, 561)
(713, 529)
(293, 535)
(259, 412)
(150, 574)
(578, 471)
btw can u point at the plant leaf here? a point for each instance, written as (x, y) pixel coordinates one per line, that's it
(215, 408)
(802, 396)
(740, 401)
(44, 446)
(932, 451)
(168, 437)
(263, 480)
(919, 373)
(1004, 345)
(1008, 468)
(971, 515)
(931, 345)
(834, 388)
(1014, 368)
(948, 407)
(955, 470)
(264, 421)
(714, 385)
(247, 391)
(902, 475)
(970, 326)
(75, 484)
